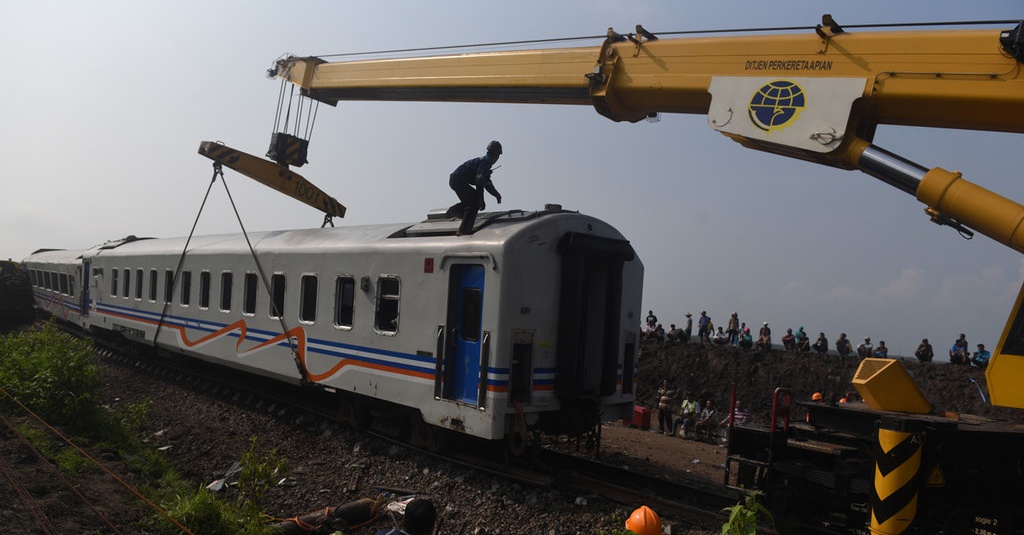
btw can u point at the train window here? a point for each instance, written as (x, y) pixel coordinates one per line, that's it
(520, 373)
(127, 283)
(385, 319)
(64, 284)
(249, 294)
(344, 301)
(152, 285)
(168, 286)
(204, 289)
(113, 282)
(307, 299)
(225, 291)
(71, 285)
(471, 310)
(186, 288)
(277, 295)
(138, 283)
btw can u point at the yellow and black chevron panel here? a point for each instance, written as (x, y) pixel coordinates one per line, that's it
(895, 493)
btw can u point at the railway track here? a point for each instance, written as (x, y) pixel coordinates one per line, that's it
(683, 503)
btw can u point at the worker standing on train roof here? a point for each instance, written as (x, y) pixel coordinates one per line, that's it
(469, 181)
(644, 521)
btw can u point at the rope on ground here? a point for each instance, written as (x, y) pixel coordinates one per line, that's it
(26, 498)
(82, 452)
(60, 475)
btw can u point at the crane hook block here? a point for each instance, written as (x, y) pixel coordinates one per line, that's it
(287, 149)
(273, 175)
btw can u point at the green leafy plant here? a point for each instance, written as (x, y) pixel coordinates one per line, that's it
(618, 520)
(53, 374)
(134, 416)
(743, 515)
(203, 511)
(258, 474)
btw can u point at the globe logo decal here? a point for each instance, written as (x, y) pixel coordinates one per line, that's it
(776, 105)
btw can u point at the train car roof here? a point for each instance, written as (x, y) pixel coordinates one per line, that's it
(492, 228)
(56, 256)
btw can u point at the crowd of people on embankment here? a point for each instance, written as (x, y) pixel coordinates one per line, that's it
(737, 334)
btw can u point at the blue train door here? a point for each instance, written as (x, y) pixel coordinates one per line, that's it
(462, 363)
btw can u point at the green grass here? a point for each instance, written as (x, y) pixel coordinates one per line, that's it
(55, 376)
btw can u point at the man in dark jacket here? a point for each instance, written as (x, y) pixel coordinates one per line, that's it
(924, 352)
(469, 181)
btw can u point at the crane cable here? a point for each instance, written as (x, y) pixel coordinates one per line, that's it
(181, 258)
(683, 32)
(266, 284)
(218, 171)
(91, 459)
(286, 110)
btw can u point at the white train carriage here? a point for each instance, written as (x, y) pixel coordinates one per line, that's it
(530, 323)
(56, 277)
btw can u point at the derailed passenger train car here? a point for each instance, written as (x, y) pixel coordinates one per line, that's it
(528, 326)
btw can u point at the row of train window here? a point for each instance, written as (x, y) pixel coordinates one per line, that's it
(385, 310)
(385, 317)
(55, 282)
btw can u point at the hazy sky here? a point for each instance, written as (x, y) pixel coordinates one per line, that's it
(108, 102)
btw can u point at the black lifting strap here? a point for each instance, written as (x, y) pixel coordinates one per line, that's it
(218, 171)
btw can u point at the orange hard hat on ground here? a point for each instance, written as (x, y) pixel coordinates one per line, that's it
(644, 521)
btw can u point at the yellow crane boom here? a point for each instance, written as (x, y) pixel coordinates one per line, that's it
(815, 95)
(917, 78)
